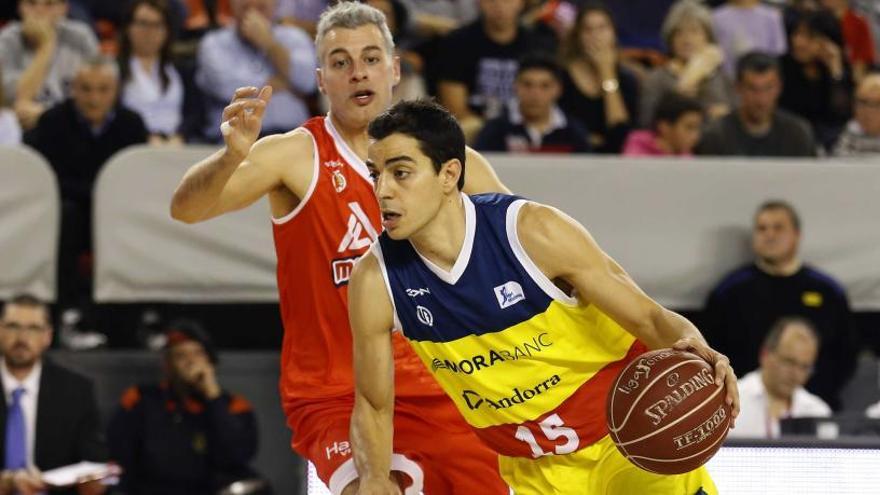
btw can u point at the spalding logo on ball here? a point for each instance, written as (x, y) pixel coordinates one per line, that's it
(665, 413)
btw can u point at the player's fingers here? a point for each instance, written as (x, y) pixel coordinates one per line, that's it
(263, 97)
(245, 92)
(233, 109)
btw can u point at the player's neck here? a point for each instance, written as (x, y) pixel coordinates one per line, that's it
(442, 239)
(355, 136)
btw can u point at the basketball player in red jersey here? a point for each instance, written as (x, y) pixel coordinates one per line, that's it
(325, 217)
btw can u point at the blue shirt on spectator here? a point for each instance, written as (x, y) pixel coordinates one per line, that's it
(227, 62)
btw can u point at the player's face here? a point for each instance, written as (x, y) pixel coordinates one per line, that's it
(24, 334)
(775, 238)
(357, 74)
(790, 365)
(410, 191)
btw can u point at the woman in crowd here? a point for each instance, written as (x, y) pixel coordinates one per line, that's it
(694, 67)
(817, 80)
(151, 85)
(596, 89)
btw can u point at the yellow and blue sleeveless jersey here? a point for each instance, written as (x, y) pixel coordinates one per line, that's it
(528, 366)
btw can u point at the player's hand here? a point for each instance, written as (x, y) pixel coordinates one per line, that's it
(243, 119)
(27, 482)
(723, 371)
(378, 487)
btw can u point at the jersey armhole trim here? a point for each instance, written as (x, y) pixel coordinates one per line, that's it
(376, 251)
(312, 186)
(531, 268)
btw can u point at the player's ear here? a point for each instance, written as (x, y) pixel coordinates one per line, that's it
(449, 174)
(395, 67)
(320, 78)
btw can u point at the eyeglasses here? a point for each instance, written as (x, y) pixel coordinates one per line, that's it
(793, 364)
(18, 327)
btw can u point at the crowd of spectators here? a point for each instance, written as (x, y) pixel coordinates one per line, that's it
(82, 79)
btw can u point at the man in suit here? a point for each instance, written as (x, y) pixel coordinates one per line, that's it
(49, 415)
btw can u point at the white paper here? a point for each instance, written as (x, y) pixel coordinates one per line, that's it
(77, 473)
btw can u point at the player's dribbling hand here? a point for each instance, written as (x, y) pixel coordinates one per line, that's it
(243, 119)
(723, 371)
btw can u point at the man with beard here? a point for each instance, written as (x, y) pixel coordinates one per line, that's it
(184, 435)
(49, 413)
(744, 305)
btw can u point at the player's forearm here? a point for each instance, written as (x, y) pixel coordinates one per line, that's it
(671, 327)
(200, 189)
(34, 76)
(371, 436)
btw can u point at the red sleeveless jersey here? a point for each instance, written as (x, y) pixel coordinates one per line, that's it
(317, 245)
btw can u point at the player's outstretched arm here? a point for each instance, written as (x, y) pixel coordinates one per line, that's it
(479, 176)
(563, 249)
(372, 319)
(245, 169)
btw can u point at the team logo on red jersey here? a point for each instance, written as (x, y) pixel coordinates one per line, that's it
(360, 232)
(339, 182)
(342, 269)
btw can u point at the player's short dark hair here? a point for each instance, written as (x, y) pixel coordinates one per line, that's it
(771, 341)
(539, 61)
(779, 204)
(438, 133)
(672, 106)
(27, 300)
(758, 62)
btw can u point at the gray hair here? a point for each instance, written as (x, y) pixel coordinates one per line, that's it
(352, 15)
(681, 12)
(100, 61)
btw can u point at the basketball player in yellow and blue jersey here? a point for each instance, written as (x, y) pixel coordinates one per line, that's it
(520, 316)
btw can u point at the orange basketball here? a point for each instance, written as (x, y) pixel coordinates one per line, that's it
(665, 413)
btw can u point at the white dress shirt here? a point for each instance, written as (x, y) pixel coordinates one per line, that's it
(161, 110)
(754, 420)
(31, 385)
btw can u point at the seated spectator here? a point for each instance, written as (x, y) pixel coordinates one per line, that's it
(596, 89)
(675, 131)
(204, 15)
(151, 86)
(776, 389)
(397, 17)
(856, 37)
(743, 26)
(817, 83)
(439, 17)
(757, 127)
(302, 14)
(862, 134)
(694, 66)
(746, 303)
(10, 131)
(254, 52)
(40, 56)
(533, 122)
(50, 413)
(77, 137)
(479, 64)
(184, 435)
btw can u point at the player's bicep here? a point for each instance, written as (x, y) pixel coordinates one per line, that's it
(563, 249)
(479, 176)
(371, 315)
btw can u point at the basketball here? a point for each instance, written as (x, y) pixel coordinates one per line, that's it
(665, 413)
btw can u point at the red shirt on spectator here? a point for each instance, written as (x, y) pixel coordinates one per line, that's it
(857, 38)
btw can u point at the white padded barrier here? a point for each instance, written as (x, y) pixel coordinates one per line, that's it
(676, 225)
(29, 216)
